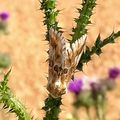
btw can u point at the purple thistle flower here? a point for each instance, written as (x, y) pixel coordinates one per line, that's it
(114, 73)
(75, 86)
(4, 16)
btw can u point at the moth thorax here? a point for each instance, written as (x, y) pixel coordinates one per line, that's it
(57, 89)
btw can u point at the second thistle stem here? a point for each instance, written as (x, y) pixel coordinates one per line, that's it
(100, 108)
(52, 108)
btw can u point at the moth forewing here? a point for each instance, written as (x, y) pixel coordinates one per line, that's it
(57, 55)
(79, 48)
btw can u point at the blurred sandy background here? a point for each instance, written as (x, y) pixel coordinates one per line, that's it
(27, 48)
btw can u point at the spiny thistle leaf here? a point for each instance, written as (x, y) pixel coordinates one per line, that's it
(5, 81)
(83, 20)
(97, 48)
(49, 8)
(10, 102)
(52, 108)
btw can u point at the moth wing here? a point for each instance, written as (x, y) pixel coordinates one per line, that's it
(77, 49)
(57, 46)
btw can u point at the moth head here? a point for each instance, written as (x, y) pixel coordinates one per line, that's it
(63, 60)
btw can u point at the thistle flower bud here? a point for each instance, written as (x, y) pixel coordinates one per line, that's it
(75, 86)
(114, 73)
(4, 16)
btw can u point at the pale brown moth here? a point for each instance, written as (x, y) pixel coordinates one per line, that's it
(63, 60)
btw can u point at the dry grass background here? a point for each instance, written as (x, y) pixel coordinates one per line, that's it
(27, 48)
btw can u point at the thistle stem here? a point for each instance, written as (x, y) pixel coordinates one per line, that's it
(52, 108)
(100, 108)
(49, 8)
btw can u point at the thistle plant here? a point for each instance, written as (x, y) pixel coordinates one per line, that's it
(94, 95)
(5, 61)
(4, 16)
(64, 58)
(55, 86)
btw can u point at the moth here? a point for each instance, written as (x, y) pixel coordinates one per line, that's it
(63, 59)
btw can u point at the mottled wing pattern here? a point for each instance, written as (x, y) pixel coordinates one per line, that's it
(75, 51)
(56, 59)
(63, 59)
(56, 48)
